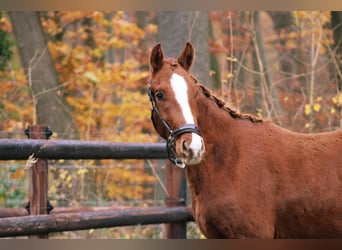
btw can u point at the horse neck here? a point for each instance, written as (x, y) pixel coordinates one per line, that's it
(214, 122)
(216, 127)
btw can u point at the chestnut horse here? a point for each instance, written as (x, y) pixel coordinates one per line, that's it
(248, 178)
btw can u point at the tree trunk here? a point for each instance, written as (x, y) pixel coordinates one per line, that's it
(292, 63)
(269, 94)
(50, 107)
(177, 27)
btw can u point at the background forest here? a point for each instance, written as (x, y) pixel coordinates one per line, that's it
(84, 73)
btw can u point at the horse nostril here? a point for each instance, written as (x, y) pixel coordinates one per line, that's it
(185, 147)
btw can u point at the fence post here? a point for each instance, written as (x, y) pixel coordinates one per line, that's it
(176, 187)
(38, 203)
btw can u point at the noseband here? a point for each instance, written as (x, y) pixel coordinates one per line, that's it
(170, 143)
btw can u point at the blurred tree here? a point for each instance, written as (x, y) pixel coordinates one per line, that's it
(291, 57)
(50, 108)
(268, 95)
(177, 27)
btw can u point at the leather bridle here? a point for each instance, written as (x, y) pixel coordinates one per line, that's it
(172, 134)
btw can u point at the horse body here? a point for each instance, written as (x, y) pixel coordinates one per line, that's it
(263, 181)
(250, 178)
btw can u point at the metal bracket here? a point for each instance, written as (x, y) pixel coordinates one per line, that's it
(48, 132)
(49, 207)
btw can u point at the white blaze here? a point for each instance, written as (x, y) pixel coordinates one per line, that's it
(180, 89)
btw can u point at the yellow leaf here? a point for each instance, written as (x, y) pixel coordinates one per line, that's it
(212, 72)
(229, 75)
(337, 100)
(317, 107)
(232, 59)
(91, 77)
(68, 178)
(152, 28)
(97, 52)
(259, 113)
(82, 171)
(307, 109)
(62, 175)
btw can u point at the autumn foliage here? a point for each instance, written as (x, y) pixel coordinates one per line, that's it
(103, 83)
(283, 68)
(105, 92)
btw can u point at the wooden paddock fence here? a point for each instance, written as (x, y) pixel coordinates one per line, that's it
(40, 218)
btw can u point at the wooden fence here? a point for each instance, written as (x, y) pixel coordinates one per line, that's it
(43, 218)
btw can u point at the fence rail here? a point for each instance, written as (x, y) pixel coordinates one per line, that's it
(43, 224)
(16, 149)
(175, 213)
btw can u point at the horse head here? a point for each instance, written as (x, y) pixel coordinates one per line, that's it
(172, 92)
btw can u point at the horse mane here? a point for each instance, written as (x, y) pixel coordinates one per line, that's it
(222, 104)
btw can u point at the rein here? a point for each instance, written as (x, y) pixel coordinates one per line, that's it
(170, 142)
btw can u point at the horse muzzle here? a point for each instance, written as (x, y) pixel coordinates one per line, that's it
(191, 153)
(190, 148)
(185, 145)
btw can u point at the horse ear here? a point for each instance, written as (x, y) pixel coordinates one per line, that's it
(187, 57)
(156, 58)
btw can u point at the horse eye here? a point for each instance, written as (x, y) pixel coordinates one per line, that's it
(160, 95)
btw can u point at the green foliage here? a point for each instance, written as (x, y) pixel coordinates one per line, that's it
(12, 184)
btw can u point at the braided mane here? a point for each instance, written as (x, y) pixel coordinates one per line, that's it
(221, 104)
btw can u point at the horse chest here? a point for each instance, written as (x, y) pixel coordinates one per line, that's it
(228, 218)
